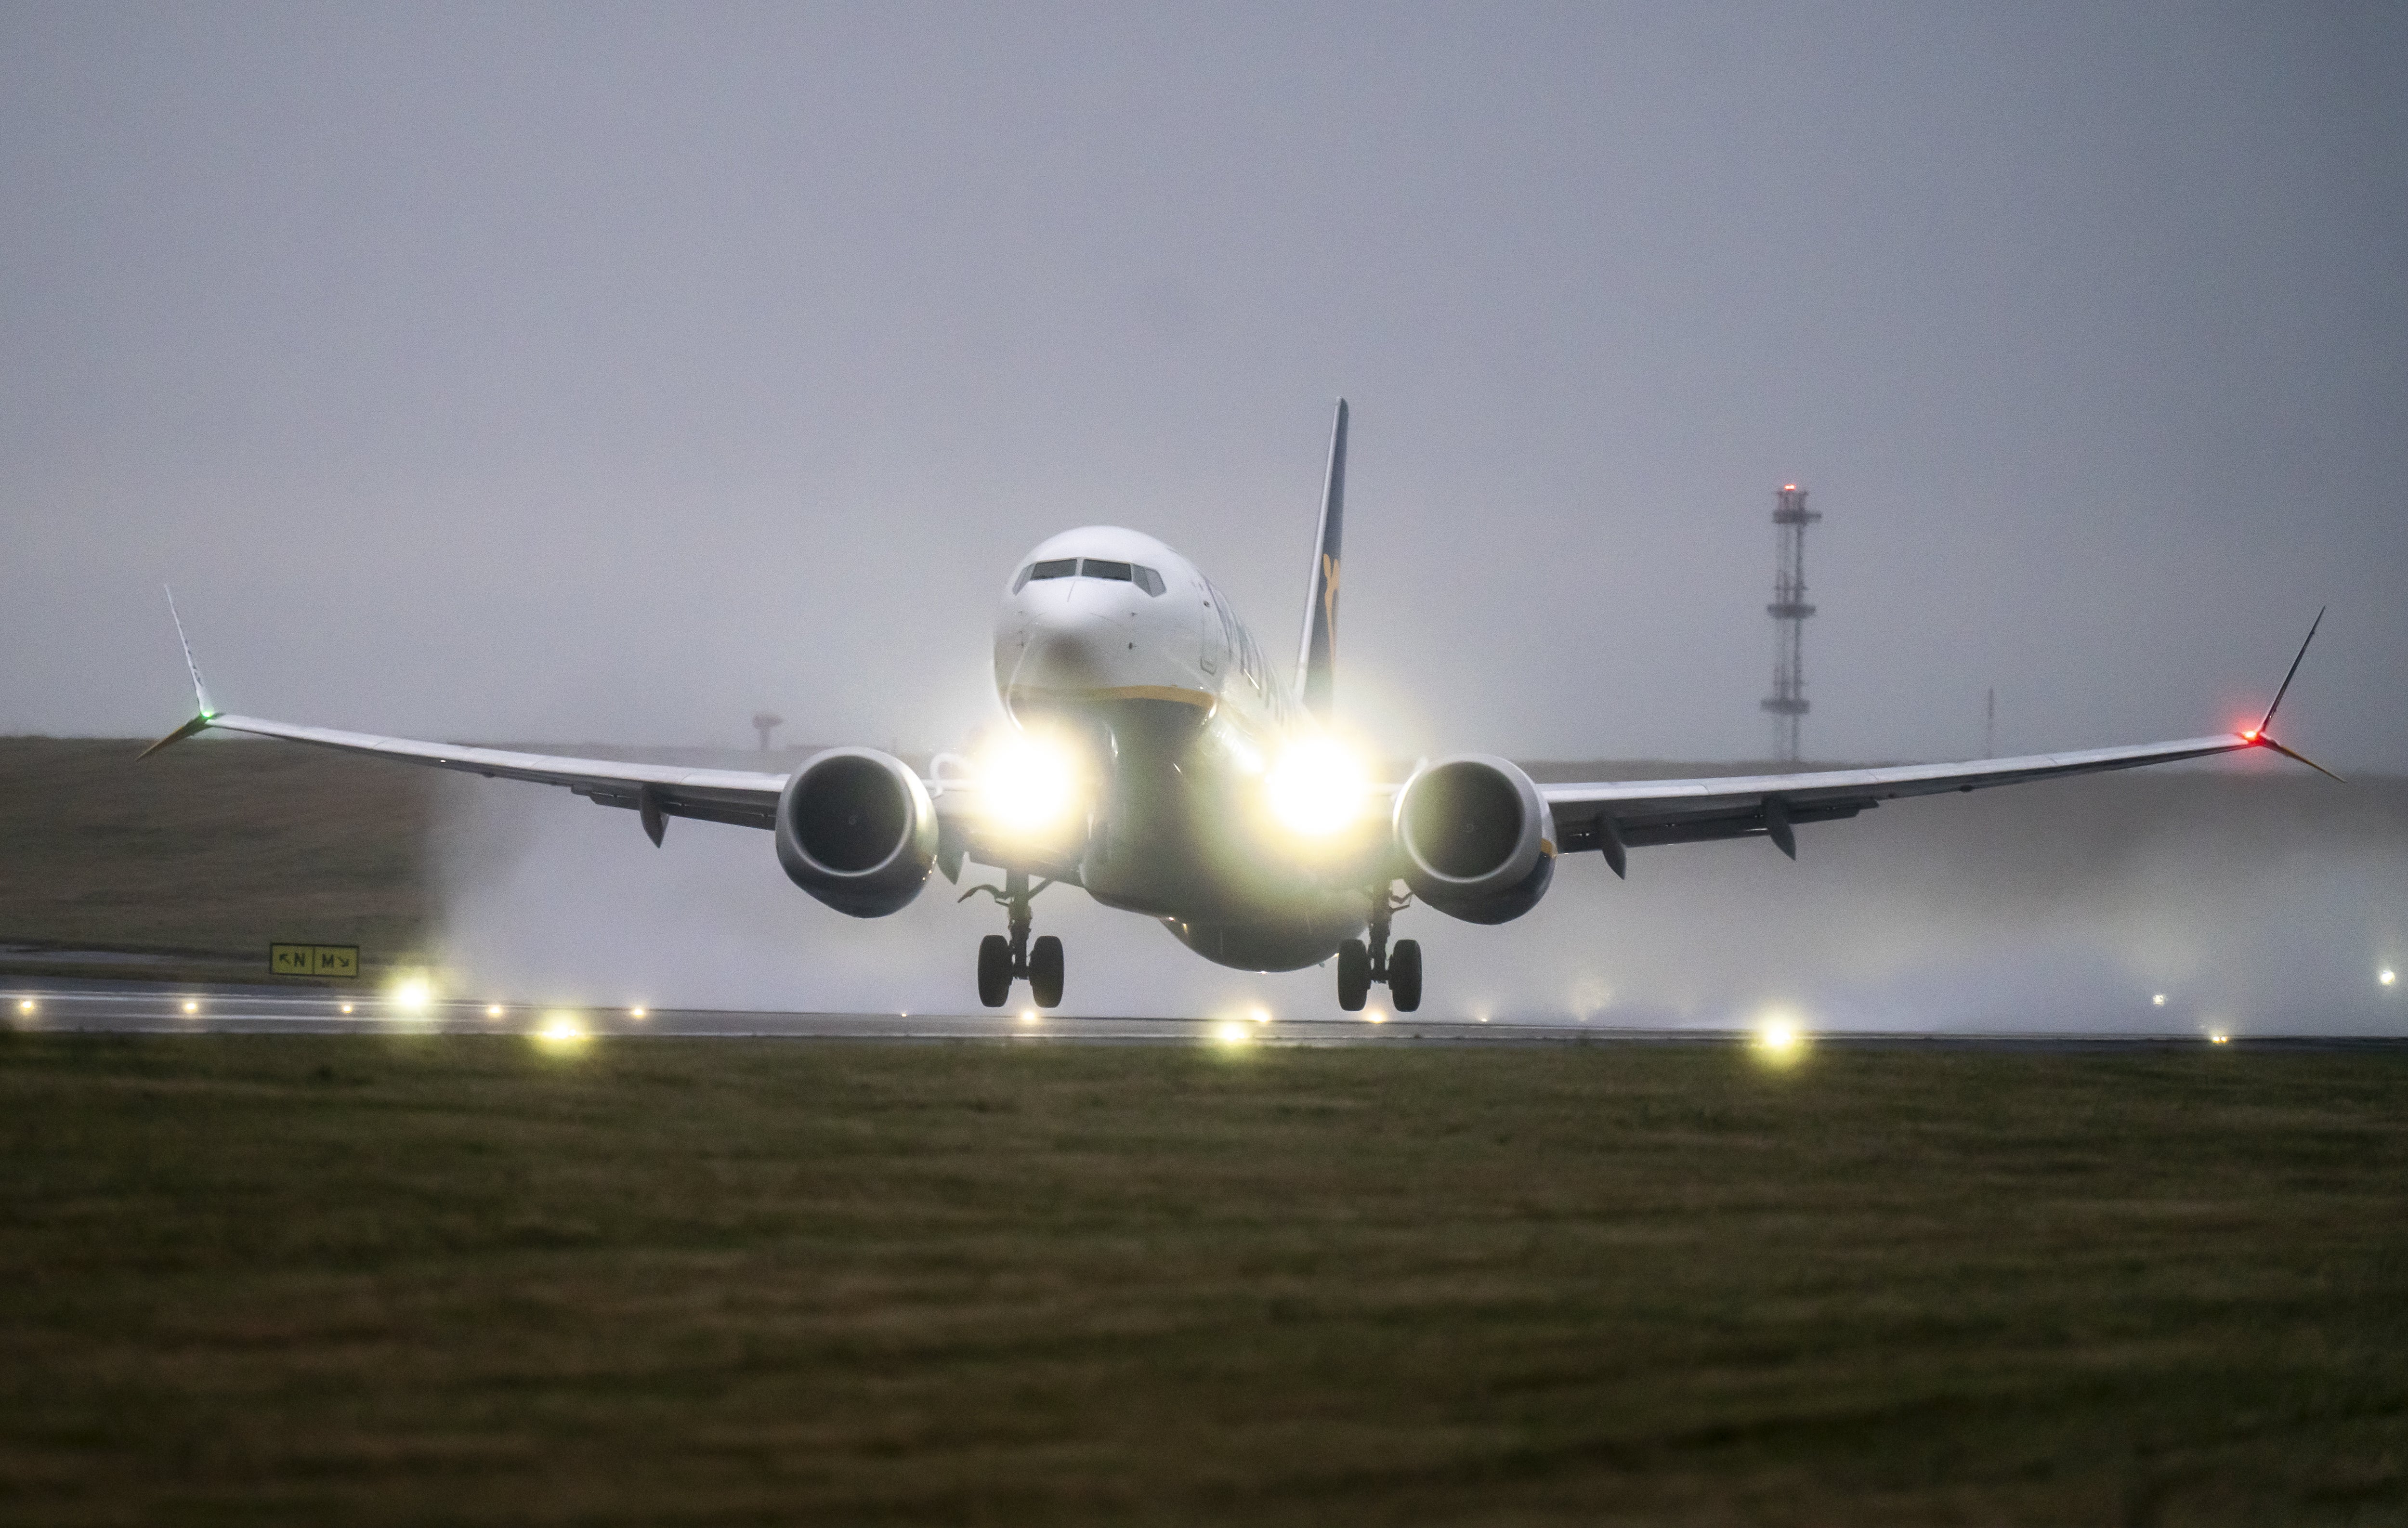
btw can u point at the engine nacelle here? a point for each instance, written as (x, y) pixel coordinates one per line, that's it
(856, 830)
(1477, 837)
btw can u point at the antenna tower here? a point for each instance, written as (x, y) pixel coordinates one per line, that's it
(1789, 611)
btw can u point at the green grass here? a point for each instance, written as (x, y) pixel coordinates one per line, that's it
(464, 1280)
(215, 848)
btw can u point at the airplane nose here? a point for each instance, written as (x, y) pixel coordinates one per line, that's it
(1070, 651)
(1069, 645)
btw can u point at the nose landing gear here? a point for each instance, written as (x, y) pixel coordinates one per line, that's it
(1001, 960)
(1360, 964)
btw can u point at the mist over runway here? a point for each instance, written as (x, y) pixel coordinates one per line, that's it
(2255, 903)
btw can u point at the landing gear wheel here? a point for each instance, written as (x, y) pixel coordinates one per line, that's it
(1405, 974)
(994, 970)
(1354, 974)
(1045, 971)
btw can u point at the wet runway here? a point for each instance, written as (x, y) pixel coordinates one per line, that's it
(125, 1008)
(37, 1005)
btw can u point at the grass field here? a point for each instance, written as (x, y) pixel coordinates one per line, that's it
(213, 849)
(466, 1280)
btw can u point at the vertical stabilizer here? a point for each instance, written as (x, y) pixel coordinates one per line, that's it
(1316, 665)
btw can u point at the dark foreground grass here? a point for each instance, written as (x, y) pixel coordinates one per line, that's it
(283, 1279)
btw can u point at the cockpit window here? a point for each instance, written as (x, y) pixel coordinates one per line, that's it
(1091, 567)
(1060, 568)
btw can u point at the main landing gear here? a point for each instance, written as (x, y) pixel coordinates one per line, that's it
(1001, 959)
(1359, 965)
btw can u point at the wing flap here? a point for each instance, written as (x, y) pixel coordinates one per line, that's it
(669, 801)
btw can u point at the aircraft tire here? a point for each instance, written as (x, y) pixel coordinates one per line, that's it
(1354, 974)
(1045, 971)
(1405, 974)
(994, 970)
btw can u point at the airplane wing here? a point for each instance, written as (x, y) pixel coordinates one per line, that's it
(745, 798)
(1614, 815)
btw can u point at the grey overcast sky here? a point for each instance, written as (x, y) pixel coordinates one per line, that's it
(609, 372)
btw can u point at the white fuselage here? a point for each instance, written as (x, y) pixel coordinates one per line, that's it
(1122, 646)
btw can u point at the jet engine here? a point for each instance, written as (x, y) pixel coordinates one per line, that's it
(1477, 838)
(856, 830)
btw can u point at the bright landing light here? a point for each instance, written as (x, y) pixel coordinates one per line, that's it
(1316, 789)
(25, 1005)
(1027, 783)
(192, 1008)
(1232, 1033)
(412, 996)
(2386, 976)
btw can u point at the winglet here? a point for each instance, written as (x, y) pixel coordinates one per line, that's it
(206, 712)
(1316, 665)
(2264, 741)
(2293, 674)
(2256, 736)
(200, 690)
(187, 730)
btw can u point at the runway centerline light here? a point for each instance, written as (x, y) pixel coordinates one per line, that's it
(560, 1030)
(1316, 789)
(1779, 1038)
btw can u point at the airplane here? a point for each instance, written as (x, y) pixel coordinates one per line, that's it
(1151, 756)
